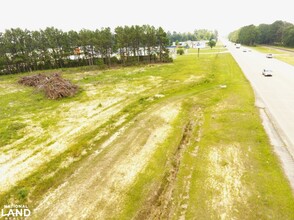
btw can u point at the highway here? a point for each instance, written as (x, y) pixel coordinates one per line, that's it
(275, 96)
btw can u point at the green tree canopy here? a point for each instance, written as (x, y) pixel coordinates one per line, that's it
(279, 32)
(211, 43)
(288, 38)
(24, 50)
(248, 35)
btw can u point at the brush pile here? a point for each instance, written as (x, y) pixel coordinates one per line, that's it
(53, 85)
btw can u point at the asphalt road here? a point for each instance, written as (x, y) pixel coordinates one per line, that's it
(276, 93)
(275, 98)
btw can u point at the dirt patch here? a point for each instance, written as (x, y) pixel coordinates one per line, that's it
(16, 164)
(137, 70)
(9, 88)
(225, 180)
(193, 78)
(100, 183)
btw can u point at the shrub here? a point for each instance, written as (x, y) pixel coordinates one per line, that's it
(180, 51)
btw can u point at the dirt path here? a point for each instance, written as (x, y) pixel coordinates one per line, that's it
(100, 183)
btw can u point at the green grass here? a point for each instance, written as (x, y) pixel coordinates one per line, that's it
(216, 49)
(225, 118)
(291, 49)
(237, 124)
(264, 49)
(287, 59)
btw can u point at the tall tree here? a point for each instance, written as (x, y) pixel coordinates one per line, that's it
(121, 42)
(277, 30)
(23, 50)
(274, 33)
(264, 36)
(248, 35)
(54, 40)
(87, 42)
(104, 43)
(288, 38)
(162, 42)
(150, 41)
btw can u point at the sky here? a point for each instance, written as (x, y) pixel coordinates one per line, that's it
(180, 16)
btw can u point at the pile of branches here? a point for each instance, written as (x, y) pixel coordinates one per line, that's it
(53, 85)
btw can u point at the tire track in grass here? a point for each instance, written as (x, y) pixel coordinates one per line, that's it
(101, 182)
(161, 203)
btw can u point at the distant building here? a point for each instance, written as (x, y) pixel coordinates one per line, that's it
(191, 44)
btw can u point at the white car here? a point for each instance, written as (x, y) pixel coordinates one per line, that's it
(267, 72)
(269, 55)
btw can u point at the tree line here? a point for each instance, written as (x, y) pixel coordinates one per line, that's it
(201, 34)
(277, 33)
(24, 50)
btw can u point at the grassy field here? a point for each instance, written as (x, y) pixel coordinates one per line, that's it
(279, 53)
(165, 141)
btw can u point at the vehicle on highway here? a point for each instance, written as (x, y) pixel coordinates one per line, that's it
(269, 55)
(238, 46)
(267, 72)
(244, 50)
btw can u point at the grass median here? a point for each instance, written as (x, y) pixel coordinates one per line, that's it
(281, 53)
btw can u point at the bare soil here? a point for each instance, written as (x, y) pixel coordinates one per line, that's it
(100, 183)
